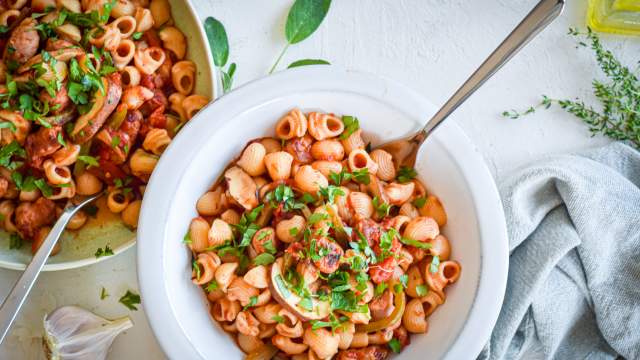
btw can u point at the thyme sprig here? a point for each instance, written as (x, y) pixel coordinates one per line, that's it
(619, 117)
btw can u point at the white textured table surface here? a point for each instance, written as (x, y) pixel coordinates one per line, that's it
(431, 46)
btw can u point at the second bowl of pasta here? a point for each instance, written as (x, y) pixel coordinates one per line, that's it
(288, 234)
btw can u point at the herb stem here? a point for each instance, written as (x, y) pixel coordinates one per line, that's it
(279, 58)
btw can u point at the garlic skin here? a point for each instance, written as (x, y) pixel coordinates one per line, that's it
(73, 333)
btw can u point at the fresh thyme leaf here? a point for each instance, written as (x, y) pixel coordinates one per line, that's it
(130, 300)
(306, 62)
(618, 117)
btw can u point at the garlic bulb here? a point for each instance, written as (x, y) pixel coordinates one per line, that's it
(73, 333)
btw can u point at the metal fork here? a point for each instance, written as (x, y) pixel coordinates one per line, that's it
(14, 301)
(405, 150)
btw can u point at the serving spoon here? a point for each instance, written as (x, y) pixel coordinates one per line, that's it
(14, 301)
(405, 150)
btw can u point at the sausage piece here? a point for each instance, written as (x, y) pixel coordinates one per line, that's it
(31, 216)
(114, 92)
(23, 42)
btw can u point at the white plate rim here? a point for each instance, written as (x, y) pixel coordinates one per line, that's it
(489, 293)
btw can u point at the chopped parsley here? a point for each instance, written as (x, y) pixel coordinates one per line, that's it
(361, 176)
(351, 125)
(212, 286)
(252, 302)
(380, 288)
(137, 35)
(15, 241)
(278, 318)
(103, 294)
(283, 194)
(422, 290)
(107, 251)
(381, 207)
(89, 160)
(419, 202)
(264, 259)
(330, 192)
(435, 262)
(196, 269)
(394, 345)
(406, 174)
(316, 218)
(415, 243)
(339, 178)
(130, 300)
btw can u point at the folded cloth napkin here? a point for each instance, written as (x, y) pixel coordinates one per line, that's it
(573, 289)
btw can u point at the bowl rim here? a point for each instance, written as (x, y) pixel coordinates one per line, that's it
(489, 295)
(215, 85)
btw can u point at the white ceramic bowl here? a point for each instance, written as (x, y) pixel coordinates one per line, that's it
(449, 165)
(79, 247)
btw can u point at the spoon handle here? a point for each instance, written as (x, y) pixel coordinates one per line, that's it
(12, 304)
(529, 27)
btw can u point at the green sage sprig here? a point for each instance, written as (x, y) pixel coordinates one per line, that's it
(305, 16)
(219, 44)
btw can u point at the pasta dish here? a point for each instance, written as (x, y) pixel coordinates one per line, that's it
(91, 93)
(313, 246)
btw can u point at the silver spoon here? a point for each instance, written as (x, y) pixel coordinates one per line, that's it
(405, 150)
(12, 304)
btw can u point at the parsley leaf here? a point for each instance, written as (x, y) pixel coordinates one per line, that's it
(362, 176)
(15, 241)
(419, 202)
(252, 302)
(381, 207)
(330, 192)
(107, 251)
(264, 259)
(435, 262)
(394, 345)
(130, 300)
(406, 174)
(415, 243)
(351, 125)
(278, 318)
(422, 290)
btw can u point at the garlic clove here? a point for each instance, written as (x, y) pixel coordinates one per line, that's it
(73, 333)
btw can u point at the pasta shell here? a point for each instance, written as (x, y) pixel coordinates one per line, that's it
(360, 204)
(241, 187)
(293, 124)
(433, 208)
(430, 302)
(440, 247)
(341, 201)
(212, 202)
(359, 159)
(291, 230)
(230, 216)
(310, 180)
(287, 345)
(219, 233)
(408, 210)
(323, 126)
(271, 145)
(225, 309)
(421, 229)
(322, 341)
(267, 313)
(257, 277)
(327, 167)
(353, 142)
(252, 159)
(198, 232)
(413, 318)
(156, 141)
(278, 165)
(247, 324)
(225, 274)
(208, 263)
(386, 168)
(241, 290)
(330, 150)
(249, 344)
(398, 194)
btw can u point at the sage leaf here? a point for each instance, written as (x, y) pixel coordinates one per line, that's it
(218, 41)
(306, 62)
(304, 18)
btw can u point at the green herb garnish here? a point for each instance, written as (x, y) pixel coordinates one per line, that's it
(130, 300)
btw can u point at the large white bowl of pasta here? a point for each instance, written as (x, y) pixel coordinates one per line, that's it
(235, 259)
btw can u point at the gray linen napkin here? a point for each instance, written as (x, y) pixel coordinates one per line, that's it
(573, 290)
